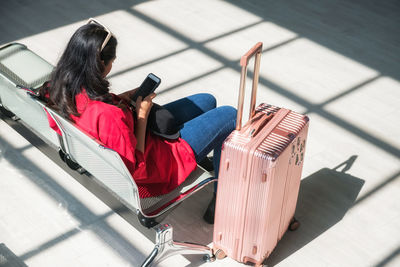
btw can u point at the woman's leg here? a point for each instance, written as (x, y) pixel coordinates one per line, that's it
(205, 133)
(208, 131)
(188, 108)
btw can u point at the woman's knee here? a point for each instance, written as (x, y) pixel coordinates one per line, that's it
(209, 98)
(204, 100)
(227, 119)
(228, 112)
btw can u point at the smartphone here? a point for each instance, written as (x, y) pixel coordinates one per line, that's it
(147, 87)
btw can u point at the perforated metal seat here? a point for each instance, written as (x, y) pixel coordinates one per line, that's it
(107, 167)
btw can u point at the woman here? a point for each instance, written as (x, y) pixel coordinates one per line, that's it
(79, 90)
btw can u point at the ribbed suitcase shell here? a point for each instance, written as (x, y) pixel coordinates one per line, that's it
(258, 185)
(259, 176)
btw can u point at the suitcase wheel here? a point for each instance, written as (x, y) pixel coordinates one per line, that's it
(220, 254)
(294, 224)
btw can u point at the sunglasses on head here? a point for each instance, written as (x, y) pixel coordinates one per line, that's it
(109, 34)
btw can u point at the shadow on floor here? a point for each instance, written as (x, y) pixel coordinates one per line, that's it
(366, 31)
(324, 199)
(189, 226)
(88, 221)
(42, 16)
(8, 258)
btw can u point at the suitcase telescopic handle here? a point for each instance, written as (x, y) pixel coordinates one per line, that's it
(244, 61)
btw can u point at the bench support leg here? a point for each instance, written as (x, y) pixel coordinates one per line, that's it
(166, 246)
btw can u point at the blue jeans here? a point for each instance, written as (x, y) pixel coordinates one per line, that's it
(203, 126)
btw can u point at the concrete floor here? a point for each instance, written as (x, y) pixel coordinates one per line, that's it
(337, 61)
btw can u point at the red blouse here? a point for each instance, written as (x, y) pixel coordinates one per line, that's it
(163, 166)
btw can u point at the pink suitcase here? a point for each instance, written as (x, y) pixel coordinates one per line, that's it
(259, 177)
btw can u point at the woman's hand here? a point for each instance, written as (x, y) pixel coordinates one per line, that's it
(143, 106)
(127, 96)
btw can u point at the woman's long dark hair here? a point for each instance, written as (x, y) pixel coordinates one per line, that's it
(81, 66)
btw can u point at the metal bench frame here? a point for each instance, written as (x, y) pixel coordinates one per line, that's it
(84, 153)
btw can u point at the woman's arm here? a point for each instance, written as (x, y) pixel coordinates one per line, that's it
(143, 108)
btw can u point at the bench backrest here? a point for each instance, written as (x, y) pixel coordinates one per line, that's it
(107, 167)
(103, 163)
(21, 67)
